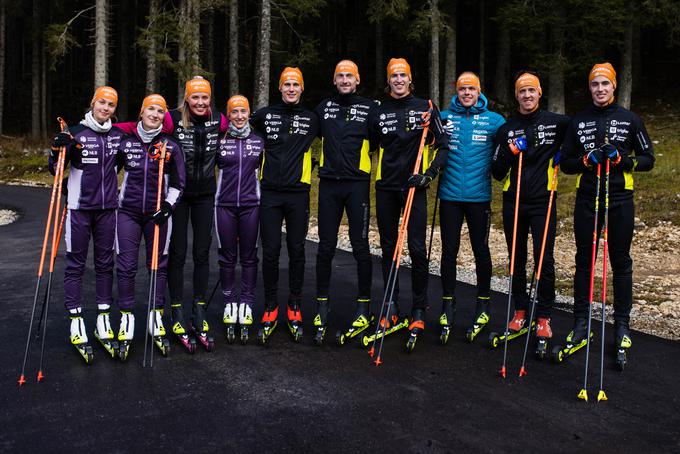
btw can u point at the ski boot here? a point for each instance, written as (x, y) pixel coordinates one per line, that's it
(157, 332)
(416, 327)
(179, 328)
(230, 319)
(516, 328)
(269, 322)
(321, 319)
(104, 333)
(245, 319)
(201, 327)
(446, 318)
(362, 320)
(125, 333)
(623, 342)
(388, 324)
(79, 335)
(482, 317)
(543, 336)
(294, 316)
(576, 340)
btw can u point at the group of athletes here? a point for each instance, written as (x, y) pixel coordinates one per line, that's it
(247, 173)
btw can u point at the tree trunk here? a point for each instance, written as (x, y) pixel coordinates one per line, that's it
(263, 56)
(450, 63)
(233, 47)
(100, 44)
(501, 89)
(43, 91)
(482, 42)
(123, 64)
(434, 52)
(151, 72)
(556, 102)
(189, 27)
(2, 61)
(210, 45)
(379, 63)
(625, 87)
(35, 72)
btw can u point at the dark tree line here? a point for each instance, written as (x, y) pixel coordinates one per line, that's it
(53, 54)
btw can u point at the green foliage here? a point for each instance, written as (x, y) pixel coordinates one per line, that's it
(163, 31)
(380, 10)
(58, 41)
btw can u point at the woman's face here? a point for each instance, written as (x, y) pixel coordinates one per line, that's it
(199, 104)
(239, 116)
(103, 110)
(152, 117)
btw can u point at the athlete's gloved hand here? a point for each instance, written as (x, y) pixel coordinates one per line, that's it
(448, 127)
(518, 145)
(161, 216)
(425, 117)
(610, 152)
(419, 181)
(63, 139)
(593, 157)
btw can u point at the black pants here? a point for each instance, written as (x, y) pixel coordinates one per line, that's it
(621, 223)
(200, 209)
(389, 206)
(275, 207)
(531, 217)
(334, 198)
(478, 218)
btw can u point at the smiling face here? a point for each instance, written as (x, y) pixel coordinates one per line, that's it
(400, 84)
(291, 90)
(468, 95)
(152, 117)
(346, 83)
(601, 90)
(528, 98)
(239, 116)
(102, 110)
(199, 104)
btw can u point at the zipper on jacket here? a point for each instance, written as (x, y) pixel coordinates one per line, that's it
(102, 168)
(238, 188)
(146, 168)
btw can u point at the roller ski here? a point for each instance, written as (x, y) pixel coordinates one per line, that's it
(104, 334)
(482, 317)
(201, 327)
(576, 340)
(79, 335)
(157, 332)
(230, 319)
(294, 319)
(543, 336)
(416, 327)
(269, 322)
(245, 319)
(321, 320)
(362, 321)
(390, 323)
(179, 329)
(446, 318)
(623, 343)
(126, 333)
(516, 328)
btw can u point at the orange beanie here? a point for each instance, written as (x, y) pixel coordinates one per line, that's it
(107, 93)
(197, 85)
(154, 99)
(528, 80)
(289, 73)
(347, 66)
(469, 78)
(237, 101)
(398, 65)
(603, 69)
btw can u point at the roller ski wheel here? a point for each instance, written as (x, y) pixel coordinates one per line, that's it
(396, 326)
(85, 351)
(111, 346)
(200, 327)
(543, 336)
(163, 345)
(104, 334)
(179, 330)
(561, 353)
(189, 343)
(340, 338)
(415, 328)
(623, 342)
(78, 335)
(245, 319)
(621, 359)
(496, 339)
(206, 340)
(321, 320)
(244, 334)
(541, 349)
(446, 318)
(230, 319)
(124, 350)
(125, 334)
(294, 319)
(359, 325)
(482, 318)
(231, 333)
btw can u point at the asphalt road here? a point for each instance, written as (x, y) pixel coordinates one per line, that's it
(290, 397)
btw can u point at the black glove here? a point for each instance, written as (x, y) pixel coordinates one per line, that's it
(63, 139)
(161, 216)
(419, 181)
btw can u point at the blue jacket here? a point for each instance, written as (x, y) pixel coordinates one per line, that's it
(466, 176)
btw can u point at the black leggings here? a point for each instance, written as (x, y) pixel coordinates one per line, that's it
(389, 206)
(334, 198)
(200, 208)
(478, 218)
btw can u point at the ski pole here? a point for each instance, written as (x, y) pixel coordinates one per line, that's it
(583, 394)
(151, 306)
(212, 294)
(57, 178)
(42, 311)
(522, 370)
(517, 149)
(396, 258)
(605, 249)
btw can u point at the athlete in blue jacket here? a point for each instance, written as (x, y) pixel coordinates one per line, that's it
(465, 192)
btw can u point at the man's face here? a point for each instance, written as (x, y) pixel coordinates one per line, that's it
(346, 83)
(601, 90)
(528, 98)
(291, 91)
(468, 95)
(400, 84)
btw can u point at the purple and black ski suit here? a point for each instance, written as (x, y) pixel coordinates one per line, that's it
(237, 213)
(91, 202)
(136, 205)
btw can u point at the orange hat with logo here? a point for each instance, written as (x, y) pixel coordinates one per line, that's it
(289, 73)
(528, 80)
(469, 78)
(398, 65)
(107, 93)
(347, 66)
(237, 101)
(603, 69)
(154, 99)
(197, 85)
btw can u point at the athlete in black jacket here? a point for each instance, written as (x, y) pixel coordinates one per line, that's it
(345, 173)
(288, 130)
(544, 132)
(603, 131)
